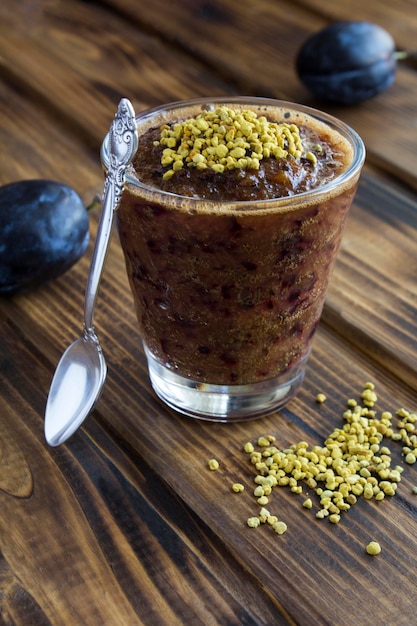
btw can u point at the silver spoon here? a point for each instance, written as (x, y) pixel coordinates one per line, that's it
(81, 372)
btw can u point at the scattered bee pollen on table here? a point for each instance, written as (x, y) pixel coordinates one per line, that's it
(352, 462)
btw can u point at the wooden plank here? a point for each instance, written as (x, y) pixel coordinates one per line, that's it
(118, 546)
(35, 329)
(373, 294)
(37, 144)
(91, 72)
(353, 308)
(112, 497)
(181, 447)
(349, 307)
(178, 449)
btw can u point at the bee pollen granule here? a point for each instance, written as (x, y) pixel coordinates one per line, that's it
(373, 548)
(280, 527)
(213, 464)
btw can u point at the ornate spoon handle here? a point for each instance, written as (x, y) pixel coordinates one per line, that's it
(123, 139)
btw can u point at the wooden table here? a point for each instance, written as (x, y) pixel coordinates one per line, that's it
(124, 524)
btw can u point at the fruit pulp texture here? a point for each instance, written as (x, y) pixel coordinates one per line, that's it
(230, 298)
(225, 299)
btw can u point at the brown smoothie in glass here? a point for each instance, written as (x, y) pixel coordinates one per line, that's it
(229, 270)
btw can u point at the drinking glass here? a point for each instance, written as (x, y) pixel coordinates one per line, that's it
(228, 294)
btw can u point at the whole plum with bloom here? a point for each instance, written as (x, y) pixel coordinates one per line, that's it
(347, 62)
(44, 230)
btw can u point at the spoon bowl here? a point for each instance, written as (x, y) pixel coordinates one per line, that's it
(74, 392)
(81, 371)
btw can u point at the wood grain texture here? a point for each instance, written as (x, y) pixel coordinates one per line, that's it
(125, 524)
(107, 539)
(373, 295)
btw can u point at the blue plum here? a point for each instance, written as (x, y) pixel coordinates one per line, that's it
(44, 230)
(347, 62)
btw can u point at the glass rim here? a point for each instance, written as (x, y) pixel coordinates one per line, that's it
(289, 202)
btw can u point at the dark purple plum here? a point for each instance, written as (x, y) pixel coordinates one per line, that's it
(44, 230)
(347, 62)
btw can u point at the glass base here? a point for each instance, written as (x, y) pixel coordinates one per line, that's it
(222, 403)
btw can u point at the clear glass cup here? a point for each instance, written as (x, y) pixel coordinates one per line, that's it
(228, 295)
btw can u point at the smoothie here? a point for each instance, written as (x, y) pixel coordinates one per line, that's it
(230, 225)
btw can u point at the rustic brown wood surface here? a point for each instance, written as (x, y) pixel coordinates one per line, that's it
(124, 524)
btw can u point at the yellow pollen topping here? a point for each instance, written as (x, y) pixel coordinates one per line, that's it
(226, 139)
